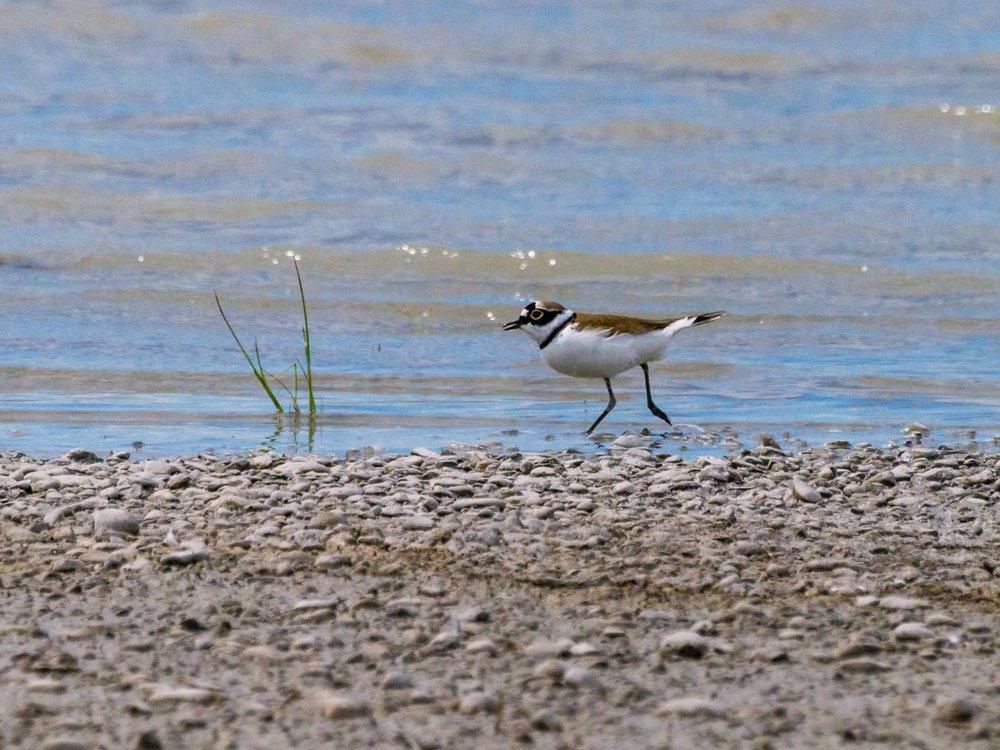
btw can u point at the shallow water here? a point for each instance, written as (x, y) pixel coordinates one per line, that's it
(825, 172)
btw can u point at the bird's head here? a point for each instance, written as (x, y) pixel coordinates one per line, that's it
(539, 319)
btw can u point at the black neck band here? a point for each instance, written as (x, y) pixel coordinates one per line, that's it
(557, 331)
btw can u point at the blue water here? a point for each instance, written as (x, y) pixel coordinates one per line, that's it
(826, 172)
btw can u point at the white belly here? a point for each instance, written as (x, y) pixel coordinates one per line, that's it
(588, 354)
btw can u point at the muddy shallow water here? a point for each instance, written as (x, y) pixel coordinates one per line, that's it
(824, 172)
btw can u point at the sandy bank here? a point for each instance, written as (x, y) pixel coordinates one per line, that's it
(543, 600)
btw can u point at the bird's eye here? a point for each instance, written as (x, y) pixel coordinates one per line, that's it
(537, 314)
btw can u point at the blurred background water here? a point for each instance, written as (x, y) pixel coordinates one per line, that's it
(829, 172)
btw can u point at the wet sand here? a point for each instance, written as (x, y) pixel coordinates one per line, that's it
(842, 595)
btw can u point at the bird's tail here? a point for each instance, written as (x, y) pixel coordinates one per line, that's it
(670, 327)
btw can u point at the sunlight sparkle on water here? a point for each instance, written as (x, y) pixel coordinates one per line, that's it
(526, 257)
(960, 110)
(411, 251)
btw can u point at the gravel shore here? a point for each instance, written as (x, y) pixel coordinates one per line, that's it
(840, 595)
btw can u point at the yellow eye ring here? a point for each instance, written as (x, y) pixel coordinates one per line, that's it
(537, 314)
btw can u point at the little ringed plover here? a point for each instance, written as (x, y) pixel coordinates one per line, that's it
(601, 346)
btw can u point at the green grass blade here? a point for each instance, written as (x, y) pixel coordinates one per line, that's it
(308, 374)
(292, 396)
(262, 375)
(258, 371)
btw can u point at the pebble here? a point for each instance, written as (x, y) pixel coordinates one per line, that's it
(589, 649)
(332, 561)
(403, 607)
(307, 605)
(300, 466)
(552, 669)
(479, 502)
(443, 641)
(336, 706)
(691, 706)
(902, 603)
(684, 643)
(168, 694)
(184, 557)
(951, 710)
(397, 681)
(64, 743)
(481, 646)
(544, 648)
(426, 453)
(579, 677)
(912, 631)
(46, 685)
(545, 720)
(325, 519)
(623, 488)
(419, 523)
(115, 521)
(901, 472)
(863, 666)
(628, 441)
(82, 455)
(857, 646)
(938, 474)
(805, 492)
(264, 653)
(478, 702)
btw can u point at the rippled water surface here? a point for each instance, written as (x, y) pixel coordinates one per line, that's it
(829, 173)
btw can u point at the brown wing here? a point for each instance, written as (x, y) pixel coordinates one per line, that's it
(625, 324)
(619, 323)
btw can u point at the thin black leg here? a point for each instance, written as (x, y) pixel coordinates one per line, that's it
(611, 405)
(657, 411)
